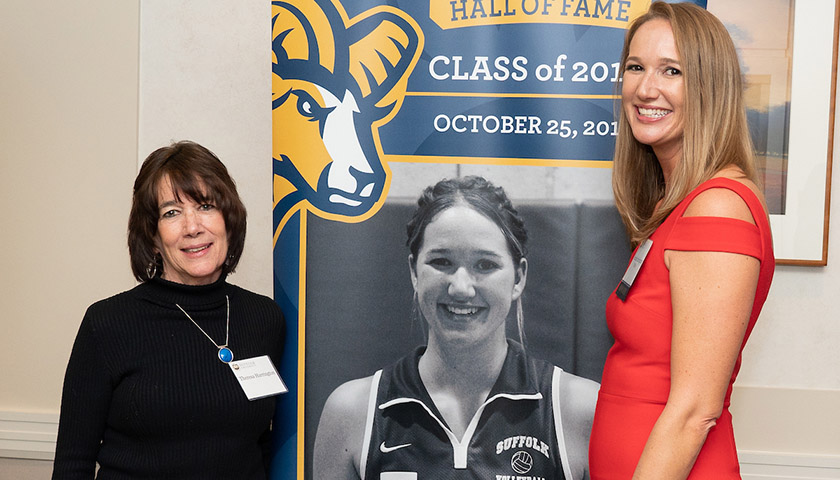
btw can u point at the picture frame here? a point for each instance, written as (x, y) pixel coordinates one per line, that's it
(800, 230)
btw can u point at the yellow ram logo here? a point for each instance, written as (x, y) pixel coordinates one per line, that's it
(335, 81)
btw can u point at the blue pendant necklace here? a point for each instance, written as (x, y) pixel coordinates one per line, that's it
(225, 355)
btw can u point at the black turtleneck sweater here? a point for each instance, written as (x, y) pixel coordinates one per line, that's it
(145, 395)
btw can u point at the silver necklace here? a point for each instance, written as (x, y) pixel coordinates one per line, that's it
(225, 355)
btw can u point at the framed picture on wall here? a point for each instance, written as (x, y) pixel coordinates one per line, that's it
(789, 56)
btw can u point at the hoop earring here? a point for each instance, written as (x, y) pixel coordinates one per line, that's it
(151, 270)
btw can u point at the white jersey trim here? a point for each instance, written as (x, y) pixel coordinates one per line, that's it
(371, 412)
(558, 421)
(460, 447)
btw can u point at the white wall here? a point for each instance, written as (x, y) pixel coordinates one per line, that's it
(68, 150)
(89, 88)
(68, 154)
(205, 75)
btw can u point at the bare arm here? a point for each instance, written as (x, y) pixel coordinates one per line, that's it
(712, 295)
(578, 409)
(338, 442)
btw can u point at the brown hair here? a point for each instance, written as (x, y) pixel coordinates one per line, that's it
(481, 195)
(193, 171)
(716, 134)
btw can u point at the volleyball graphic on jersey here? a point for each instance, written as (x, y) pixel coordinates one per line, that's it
(521, 462)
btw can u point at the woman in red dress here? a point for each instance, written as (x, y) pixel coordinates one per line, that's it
(685, 184)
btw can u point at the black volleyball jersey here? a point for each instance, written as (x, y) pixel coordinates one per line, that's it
(514, 435)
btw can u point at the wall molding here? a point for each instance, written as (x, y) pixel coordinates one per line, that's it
(28, 435)
(788, 466)
(32, 436)
(789, 420)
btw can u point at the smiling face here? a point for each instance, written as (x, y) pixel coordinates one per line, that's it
(465, 278)
(653, 91)
(191, 238)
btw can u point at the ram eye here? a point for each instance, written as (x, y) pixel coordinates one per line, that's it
(308, 107)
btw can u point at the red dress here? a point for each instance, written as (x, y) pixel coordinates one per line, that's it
(637, 376)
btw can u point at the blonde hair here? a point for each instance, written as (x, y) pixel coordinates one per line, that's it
(715, 132)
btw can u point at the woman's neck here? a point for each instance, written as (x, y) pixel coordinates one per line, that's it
(460, 364)
(164, 292)
(668, 160)
(459, 379)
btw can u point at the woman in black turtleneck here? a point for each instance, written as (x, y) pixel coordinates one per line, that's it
(148, 391)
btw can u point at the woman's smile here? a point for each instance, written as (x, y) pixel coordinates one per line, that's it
(652, 112)
(461, 310)
(196, 250)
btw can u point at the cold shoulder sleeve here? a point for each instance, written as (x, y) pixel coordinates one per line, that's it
(716, 234)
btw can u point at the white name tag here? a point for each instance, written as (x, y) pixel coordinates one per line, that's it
(258, 377)
(633, 270)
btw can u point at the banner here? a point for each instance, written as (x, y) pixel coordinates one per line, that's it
(373, 100)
